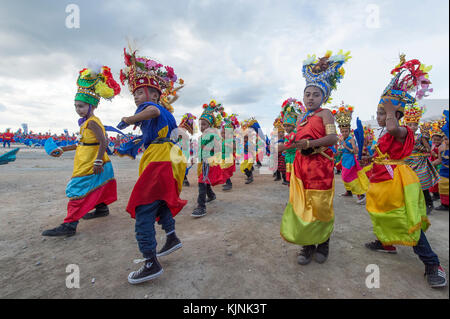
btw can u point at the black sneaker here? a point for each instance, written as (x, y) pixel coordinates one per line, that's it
(100, 211)
(347, 194)
(172, 243)
(199, 212)
(378, 246)
(210, 199)
(442, 208)
(150, 270)
(278, 178)
(227, 187)
(429, 209)
(186, 183)
(306, 254)
(322, 252)
(61, 230)
(249, 180)
(436, 276)
(285, 183)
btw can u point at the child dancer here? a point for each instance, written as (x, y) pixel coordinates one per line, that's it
(436, 138)
(209, 171)
(246, 166)
(444, 160)
(395, 200)
(354, 178)
(291, 110)
(228, 165)
(419, 158)
(185, 143)
(92, 184)
(281, 169)
(308, 219)
(156, 195)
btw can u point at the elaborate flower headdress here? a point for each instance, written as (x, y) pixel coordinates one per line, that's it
(213, 113)
(343, 115)
(290, 109)
(231, 121)
(413, 113)
(409, 77)
(144, 72)
(95, 82)
(369, 135)
(436, 127)
(278, 123)
(325, 72)
(188, 123)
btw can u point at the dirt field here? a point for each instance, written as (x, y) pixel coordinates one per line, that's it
(233, 252)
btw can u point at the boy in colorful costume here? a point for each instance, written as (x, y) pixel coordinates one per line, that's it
(308, 219)
(208, 169)
(291, 110)
(354, 178)
(281, 168)
(419, 158)
(187, 123)
(7, 138)
(228, 165)
(92, 184)
(443, 159)
(156, 195)
(436, 138)
(246, 166)
(395, 200)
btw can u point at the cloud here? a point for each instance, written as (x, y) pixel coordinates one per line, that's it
(246, 54)
(2, 108)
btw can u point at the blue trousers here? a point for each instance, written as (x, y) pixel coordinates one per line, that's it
(424, 251)
(145, 225)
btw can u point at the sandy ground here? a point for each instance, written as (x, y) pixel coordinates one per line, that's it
(233, 252)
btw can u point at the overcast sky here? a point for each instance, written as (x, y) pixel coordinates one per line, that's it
(245, 54)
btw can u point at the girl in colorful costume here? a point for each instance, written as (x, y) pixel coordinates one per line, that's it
(185, 143)
(156, 195)
(395, 200)
(208, 169)
(354, 178)
(228, 165)
(419, 158)
(308, 219)
(92, 184)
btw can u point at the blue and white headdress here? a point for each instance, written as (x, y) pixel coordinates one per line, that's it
(324, 73)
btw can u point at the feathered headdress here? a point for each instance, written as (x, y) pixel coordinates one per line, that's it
(213, 113)
(144, 72)
(410, 77)
(324, 73)
(343, 115)
(188, 123)
(290, 109)
(95, 82)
